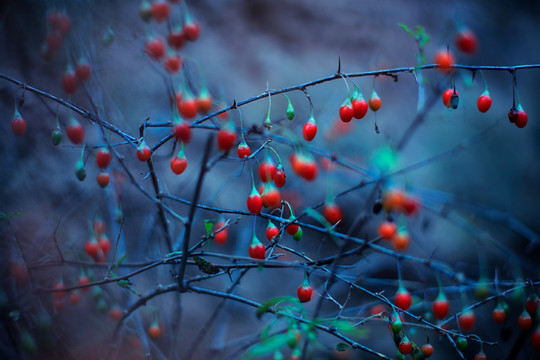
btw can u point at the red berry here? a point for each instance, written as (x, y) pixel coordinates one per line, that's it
(279, 177)
(191, 31)
(309, 130)
(243, 150)
(499, 315)
(75, 297)
(18, 125)
(304, 293)
(513, 114)
(410, 205)
(267, 170)
(176, 39)
(524, 321)
(427, 350)
(447, 95)
(154, 331)
(535, 338)
(405, 346)
(64, 23)
(402, 299)
(143, 152)
(466, 320)
(226, 139)
(271, 197)
(271, 231)
(188, 107)
(178, 164)
(105, 244)
(346, 111)
(480, 356)
(401, 240)
(360, 108)
(83, 70)
(115, 313)
(103, 158)
(221, 236)
(83, 280)
(440, 306)
(291, 228)
(521, 120)
(532, 304)
(103, 179)
(254, 202)
(204, 101)
(256, 249)
(172, 63)
(54, 40)
(444, 60)
(332, 213)
(92, 248)
(75, 132)
(182, 131)
(386, 230)
(59, 294)
(374, 101)
(155, 48)
(466, 41)
(160, 11)
(69, 81)
(484, 102)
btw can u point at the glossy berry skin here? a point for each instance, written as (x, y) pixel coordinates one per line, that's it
(309, 130)
(271, 197)
(75, 132)
(402, 299)
(405, 346)
(222, 236)
(188, 107)
(360, 108)
(401, 240)
(279, 177)
(346, 112)
(103, 179)
(226, 139)
(160, 11)
(466, 320)
(92, 248)
(440, 307)
(466, 42)
(521, 120)
(292, 228)
(254, 202)
(447, 97)
(178, 165)
(70, 82)
(444, 60)
(271, 231)
(143, 152)
(480, 356)
(257, 250)
(304, 293)
(427, 350)
(103, 158)
(243, 150)
(524, 321)
(266, 170)
(484, 102)
(386, 230)
(191, 31)
(176, 39)
(155, 48)
(18, 125)
(332, 213)
(182, 131)
(172, 63)
(83, 70)
(374, 103)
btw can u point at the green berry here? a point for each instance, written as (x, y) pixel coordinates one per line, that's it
(298, 235)
(80, 171)
(56, 136)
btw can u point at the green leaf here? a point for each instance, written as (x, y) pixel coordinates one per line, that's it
(9, 215)
(342, 347)
(273, 302)
(345, 327)
(406, 28)
(268, 346)
(208, 224)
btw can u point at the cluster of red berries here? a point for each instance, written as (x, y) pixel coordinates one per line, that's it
(99, 244)
(356, 106)
(58, 26)
(103, 159)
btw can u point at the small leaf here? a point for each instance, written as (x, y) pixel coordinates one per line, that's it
(208, 224)
(273, 302)
(342, 347)
(406, 28)
(268, 346)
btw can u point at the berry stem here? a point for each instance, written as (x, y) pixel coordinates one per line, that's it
(277, 155)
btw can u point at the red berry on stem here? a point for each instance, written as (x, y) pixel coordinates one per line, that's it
(521, 120)
(279, 177)
(480, 356)
(499, 314)
(226, 138)
(172, 63)
(271, 230)
(176, 39)
(83, 279)
(254, 202)
(466, 320)
(291, 228)
(304, 291)
(191, 30)
(440, 306)
(386, 230)
(513, 114)
(402, 299)
(160, 11)
(484, 102)
(346, 111)
(83, 70)
(532, 304)
(309, 130)
(524, 321)
(405, 346)
(332, 213)
(69, 81)
(401, 240)
(154, 331)
(256, 249)
(155, 48)
(447, 96)
(221, 236)
(360, 107)
(143, 152)
(92, 248)
(182, 131)
(204, 101)
(18, 124)
(243, 150)
(427, 350)
(105, 244)
(64, 23)
(103, 158)
(267, 170)
(466, 41)
(188, 106)
(374, 101)
(75, 132)
(444, 60)
(179, 163)
(410, 205)
(271, 197)
(535, 338)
